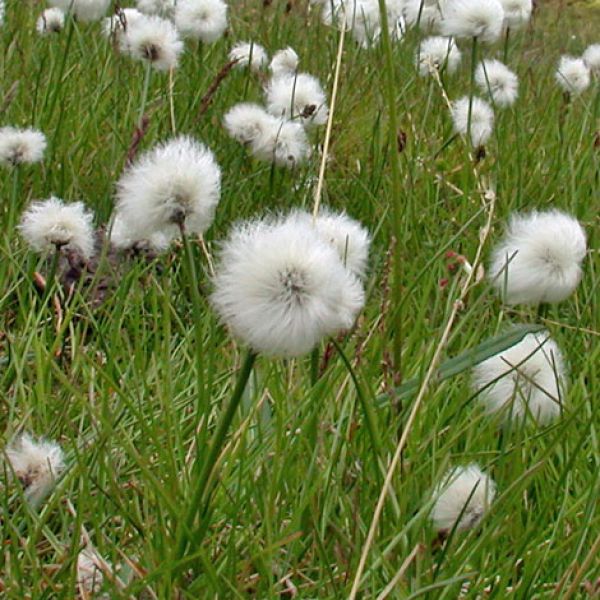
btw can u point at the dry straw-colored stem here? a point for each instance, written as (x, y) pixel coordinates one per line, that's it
(336, 81)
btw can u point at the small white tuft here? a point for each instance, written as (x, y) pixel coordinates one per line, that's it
(297, 97)
(498, 81)
(481, 19)
(591, 58)
(119, 24)
(425, 14)
(462, 498)
(122, 237)
(204, 20)
(246, 122)
(83, 10)
(162, 8)
(281, 288)
(37, 464)
(539, 259)
(573, 75)
(516, 13)
(49, 225)
(285, 62)
(18, 146)
(176, 182)
(439, 53)
(528, 379)
(481, 119)
(249, 54)
(52, 20)
(153, 40)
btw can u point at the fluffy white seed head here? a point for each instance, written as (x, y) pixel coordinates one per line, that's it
(350, 239)
(281, 288)
(52, 20)
(246, 122)
(204, 20)
(51, 224)
(527, 380)
(283, 142)
(36, 464)
(249, 55)
(573, 75)
(119, 24)
(539, 259)
(84, 10)
(297, 97)
(18, 146)
(284, 62)
(591, 58)
(498, 81)
(89, 573)
(122, 237)
(481, 19)
(2, 12)
(426, 14)
(162, 8)
(153, 40)
(175, 182)
(516, 13)
(482, 120)
(462, 498)
(439, 53)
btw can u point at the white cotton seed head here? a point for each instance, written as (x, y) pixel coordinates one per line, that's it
(365, 22)
(516, 13)
(498, 81)
(297, 97)
(52, 20)
(481, 121)
(439, 53)
(462, 498)
(152, 40)
(123, 237)
(246, 122)
(481, 19)
(527, 380)
(591, 58)
(175, 182)
(426, 14)
(281, 288)
(19, 146)
(350, 239)
(573, 75)
(249, 55)
(162, 8)
(50, 224)
(283, 142)
(36, 464)
(119, 24)
(83, 10)
(2, 12)
(204, 20)
(539, 259)
(284, 62)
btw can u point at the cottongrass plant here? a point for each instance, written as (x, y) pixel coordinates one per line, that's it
(517, 13)
(498, 81)
(52, 225)
(83, 10)
(591, 58)
(118, 24)
(173, 187)
(52, 20)
(427, 15)
(573, 75)
(284, 62)
(36, 464)
(249, 55)
(539, 259)
(204, 20)
(474, 19)
(21, 146)
(462, 498)
(473, 118)
(438, 54)
(527, 380)
(162, 8)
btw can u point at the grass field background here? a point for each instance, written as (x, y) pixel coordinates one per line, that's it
(299, 478)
